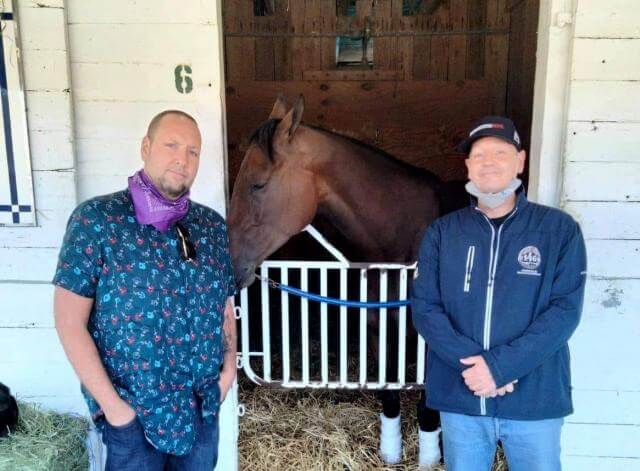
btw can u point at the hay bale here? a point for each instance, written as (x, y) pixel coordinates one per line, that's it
(321, 430)
(45, 441)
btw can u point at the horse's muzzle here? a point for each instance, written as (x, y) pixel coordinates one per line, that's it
(244, 276)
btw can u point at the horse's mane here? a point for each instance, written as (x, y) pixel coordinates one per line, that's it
(263, 137)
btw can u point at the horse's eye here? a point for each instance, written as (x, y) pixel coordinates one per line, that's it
(256, 186)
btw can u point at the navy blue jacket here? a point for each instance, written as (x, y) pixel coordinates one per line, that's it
(513, 295)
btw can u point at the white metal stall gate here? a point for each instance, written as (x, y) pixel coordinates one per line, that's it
(351, 371)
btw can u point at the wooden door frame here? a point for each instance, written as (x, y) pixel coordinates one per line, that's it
(223, 104)
(229, 421)
(550, 100)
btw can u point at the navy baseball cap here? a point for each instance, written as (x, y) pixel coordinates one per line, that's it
(491, 126)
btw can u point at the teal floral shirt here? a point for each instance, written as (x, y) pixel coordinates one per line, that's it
(156, 320)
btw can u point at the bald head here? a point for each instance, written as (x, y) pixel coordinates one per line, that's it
(157, 119)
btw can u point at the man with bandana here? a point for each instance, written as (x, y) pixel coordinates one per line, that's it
(498, 293)
(143, 308)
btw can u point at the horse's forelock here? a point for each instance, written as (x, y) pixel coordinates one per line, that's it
(263, 136)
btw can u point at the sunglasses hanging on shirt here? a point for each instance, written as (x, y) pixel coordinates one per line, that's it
(185, 246)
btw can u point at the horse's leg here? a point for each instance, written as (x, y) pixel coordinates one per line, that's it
(429, 447)
(429, 453)
(390, 430)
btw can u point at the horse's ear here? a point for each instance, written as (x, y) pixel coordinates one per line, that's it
(291, 121)
(279, 107)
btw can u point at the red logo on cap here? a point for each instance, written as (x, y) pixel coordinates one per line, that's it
(497, 125)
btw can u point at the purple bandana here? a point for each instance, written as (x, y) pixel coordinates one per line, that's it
(152, 207)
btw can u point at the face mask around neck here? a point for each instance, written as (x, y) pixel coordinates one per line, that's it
(493, 200)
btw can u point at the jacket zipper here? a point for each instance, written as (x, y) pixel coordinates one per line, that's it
(469, 268)
(493, 264)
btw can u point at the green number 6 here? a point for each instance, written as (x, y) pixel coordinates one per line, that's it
(184, 84)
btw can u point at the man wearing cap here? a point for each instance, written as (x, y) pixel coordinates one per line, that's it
(498, 293)
(143, 308)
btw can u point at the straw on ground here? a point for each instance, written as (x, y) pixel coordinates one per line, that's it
(321, 430)
(45, 441)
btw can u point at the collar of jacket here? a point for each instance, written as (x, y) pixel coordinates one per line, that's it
(515, 221)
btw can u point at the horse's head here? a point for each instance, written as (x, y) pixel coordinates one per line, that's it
(274, 195)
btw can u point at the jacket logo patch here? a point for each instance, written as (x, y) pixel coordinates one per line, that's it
(529, 259)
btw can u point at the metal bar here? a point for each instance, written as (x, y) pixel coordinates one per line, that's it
(420, 361)
(286, 371)
(300, 264)
(343, 381)
(333, 265)
(402, 328)
(382, 346)
(304, 312)
(363, 328)
(333, 250)
(381, 34)
(246, 348)
(266, 328)
(244, 324)
(372, 386)
(324, 335)
(344, 354)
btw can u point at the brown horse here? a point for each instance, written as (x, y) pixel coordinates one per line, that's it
(292, 172)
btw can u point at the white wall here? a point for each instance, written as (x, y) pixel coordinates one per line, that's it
(601, 189)
(32, 362)
(123, 56)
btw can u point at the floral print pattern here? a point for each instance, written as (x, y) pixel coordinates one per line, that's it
(156, 320)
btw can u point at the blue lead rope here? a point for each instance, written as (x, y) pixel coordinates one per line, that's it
(335, 301)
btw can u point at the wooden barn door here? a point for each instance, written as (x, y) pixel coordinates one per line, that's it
(430, 68)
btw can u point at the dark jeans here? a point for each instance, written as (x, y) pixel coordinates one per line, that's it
(129, 450)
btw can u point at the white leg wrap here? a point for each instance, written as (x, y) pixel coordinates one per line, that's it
(429, 449)
(390, 439)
